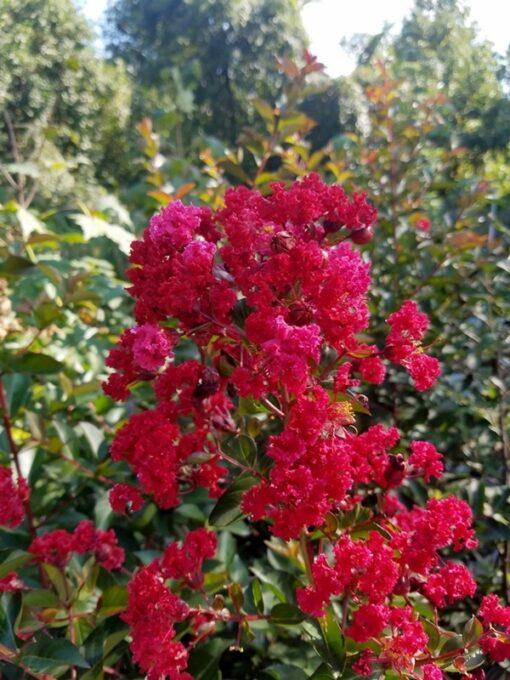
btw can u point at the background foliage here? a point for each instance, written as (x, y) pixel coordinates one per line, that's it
(189, 100)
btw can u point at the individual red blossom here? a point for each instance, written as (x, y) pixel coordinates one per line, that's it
(13, 496)
(377, 573)
(392, 505)
(124, 498)
(363, 665)
(174, 226)
(370, 459)
(342, 379)
(431, 672)
(452, 520)
(423, 224)
(451, 583)
(424, 370)
(54, 547)
(493, 612)
(103, 544)
(151, 346)
(326, 583)
(11, 583)
(372, 369)
(106, 550)
(407, 324)
(140, 352)
(186, 562)
(211, 476)
(425, 460)
(368, 621)
(204, 623)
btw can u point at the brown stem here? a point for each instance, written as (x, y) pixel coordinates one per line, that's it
(274, 409)
(306, 556)
(446, 655)
(237, 464)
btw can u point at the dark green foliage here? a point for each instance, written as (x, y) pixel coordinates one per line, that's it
(221, 52)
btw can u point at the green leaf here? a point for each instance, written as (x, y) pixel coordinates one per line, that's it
(433, 634)
(452, 644)
(114, 639)
(113, 601)
(14, 265)
(472, 630)
(34, 363)
(258, 599)
(264, 109)
(204, 660)
(243, 449)
(14, 561)
(235, 592)
(9, 611)
(227, 508)
(17, 387)
(47, 655)
(41, 598)
(324, 672)
(93, 435)
(62, 586)
(285, 614)
(46, 313)
(283, 671)
(474, 660)
(28, 222)
(334, 641)
(94, 226)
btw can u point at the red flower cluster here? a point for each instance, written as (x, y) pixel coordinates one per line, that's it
(56, 547)
(185, 563)
(11, 583)
(496, 622)
(152, 612)
(366, 566)
(124, 497)
(403, 345)
(270, 297)
(153, 608)
(13, 496)
(450, 583)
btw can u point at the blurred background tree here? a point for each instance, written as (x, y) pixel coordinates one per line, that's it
(210, 56)
(65, 110)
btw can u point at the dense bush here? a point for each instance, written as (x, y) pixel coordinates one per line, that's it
(260, 420)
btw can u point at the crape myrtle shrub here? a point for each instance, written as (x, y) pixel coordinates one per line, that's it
(249, 360)
(61, 613)
(269, 298)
